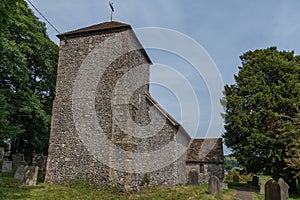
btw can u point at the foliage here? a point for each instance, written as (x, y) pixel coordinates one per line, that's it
(261, 111)
(12, 189)
(230, 162)
(243, 176)
(28, 60)
(5, 145)
(145, 180)
(291, 133)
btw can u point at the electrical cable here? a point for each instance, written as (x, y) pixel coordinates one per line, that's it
(43, 16)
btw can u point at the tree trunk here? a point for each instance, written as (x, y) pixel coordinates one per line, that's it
(14, 144)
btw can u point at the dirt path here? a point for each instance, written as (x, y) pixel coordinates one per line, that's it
(243, 193)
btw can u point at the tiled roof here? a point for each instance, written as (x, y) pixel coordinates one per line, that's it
(98, 28)
(206, 150)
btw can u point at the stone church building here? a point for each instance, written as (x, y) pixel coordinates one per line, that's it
(106, 126)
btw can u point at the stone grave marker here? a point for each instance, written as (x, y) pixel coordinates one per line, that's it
(214, 185)
(6, 166)
(255, 180)
(262, 188)
(22, 163)
(16, 158)
(224, 186)
(1, 153)
(193, 178)
(272, 190)
(236, 179)
(31, 175)
(41, 162)
(20, 172)
(284, 189)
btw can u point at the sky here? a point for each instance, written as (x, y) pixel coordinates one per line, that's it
(225, 29)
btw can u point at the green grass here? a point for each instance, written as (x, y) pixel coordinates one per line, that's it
(13, 189)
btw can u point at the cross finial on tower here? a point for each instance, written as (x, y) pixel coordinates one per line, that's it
(112, 10)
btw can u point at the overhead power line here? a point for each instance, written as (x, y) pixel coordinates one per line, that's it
(43, 16)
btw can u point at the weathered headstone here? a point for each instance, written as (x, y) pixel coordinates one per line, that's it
(31, 175)
(262, 188)
(214, 185)
(193, 177)
(41, 162)
(6, 166)
(22, 163)
(236, 179)
(255, 181)
(272, 190)
(284, 189)
(16, 158)
(224, 186)
(1, 153)
(20, 172)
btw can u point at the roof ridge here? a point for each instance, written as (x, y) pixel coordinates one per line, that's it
(97, 28)
(161, 110)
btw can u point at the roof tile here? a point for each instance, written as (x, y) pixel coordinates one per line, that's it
(206, 151)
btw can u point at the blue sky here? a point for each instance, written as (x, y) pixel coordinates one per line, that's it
(226, 29)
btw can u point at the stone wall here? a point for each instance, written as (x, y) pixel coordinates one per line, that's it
(206, 170)
(69, 157)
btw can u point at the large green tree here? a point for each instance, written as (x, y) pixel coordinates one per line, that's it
(262, 113)
(28, 60)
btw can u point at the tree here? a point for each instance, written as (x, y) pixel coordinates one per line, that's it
(261, 108)
(28, 60)
(230, 163)
(291, 133)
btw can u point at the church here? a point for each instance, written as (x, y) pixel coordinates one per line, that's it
(107, 129)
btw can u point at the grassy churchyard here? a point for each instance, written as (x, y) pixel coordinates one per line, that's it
(13, 189)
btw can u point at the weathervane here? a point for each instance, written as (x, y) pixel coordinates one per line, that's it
(112, 10)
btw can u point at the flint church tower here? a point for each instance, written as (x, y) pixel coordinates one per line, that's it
(106, 128)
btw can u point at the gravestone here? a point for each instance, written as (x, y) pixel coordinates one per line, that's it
(272, 190)
(284, 189)
(20, 172)
(22, 163)
(236, 179)
(224, 186)
(214, 185)
(262, 188)
(193, 178)
(16, 158)
(1, 153)
(6, 166)
(41, 162)
(255, 180)
(31, 175)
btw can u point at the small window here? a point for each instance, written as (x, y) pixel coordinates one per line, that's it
(201, 168)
